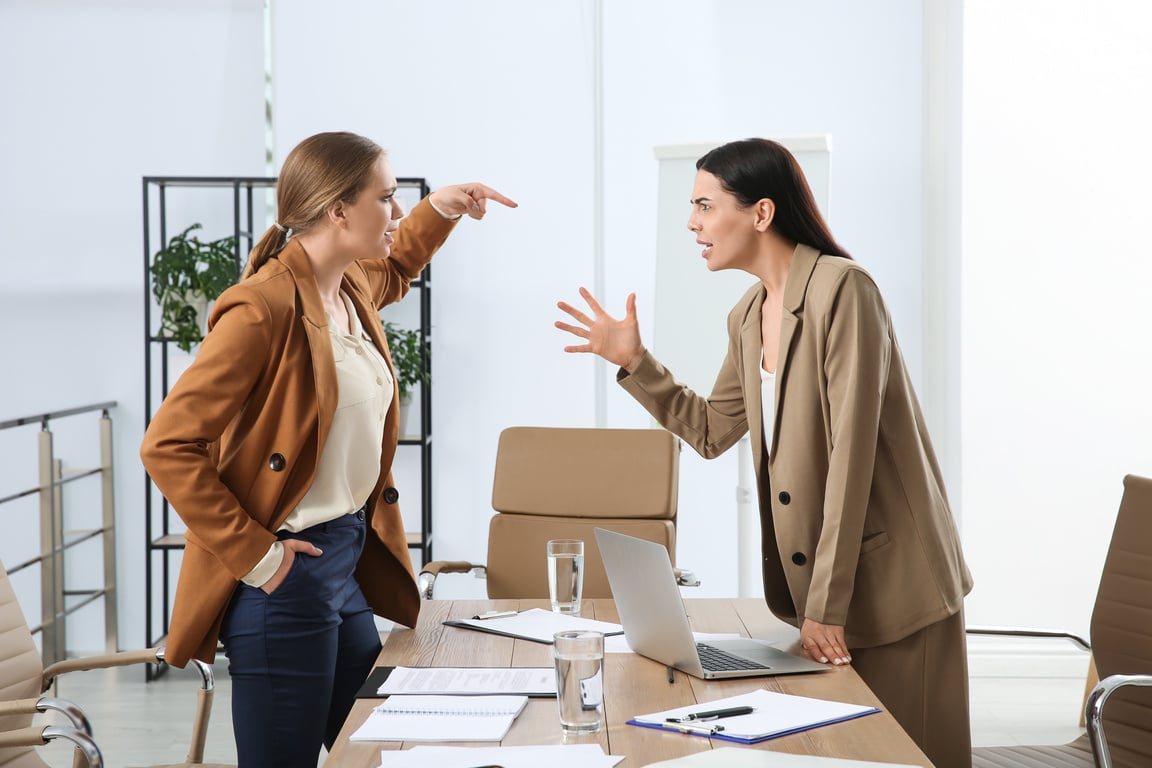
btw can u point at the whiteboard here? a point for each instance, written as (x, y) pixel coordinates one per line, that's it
(690, 335)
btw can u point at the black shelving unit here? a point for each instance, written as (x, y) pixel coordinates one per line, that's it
(251, 213)
(420, 540)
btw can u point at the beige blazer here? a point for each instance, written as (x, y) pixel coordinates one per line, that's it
(235, 444)
(855, 525)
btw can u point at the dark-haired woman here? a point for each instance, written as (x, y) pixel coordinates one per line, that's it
(275, 447)
(860, 548)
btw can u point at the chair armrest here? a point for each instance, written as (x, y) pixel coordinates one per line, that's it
(1025, 632)
(426, 581)
(39, 735)
(122, 659)
(1094, 712)
(686, 578)
(68, 709)
(204, 695)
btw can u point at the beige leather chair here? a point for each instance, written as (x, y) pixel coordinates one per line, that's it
(1121, 736)
(23, 681)
(560, 483)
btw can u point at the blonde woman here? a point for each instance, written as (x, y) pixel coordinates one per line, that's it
(275, 447)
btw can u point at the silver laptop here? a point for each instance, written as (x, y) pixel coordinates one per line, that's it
(655, 624)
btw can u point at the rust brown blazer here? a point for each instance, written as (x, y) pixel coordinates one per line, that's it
(234, 446)
(855, 525)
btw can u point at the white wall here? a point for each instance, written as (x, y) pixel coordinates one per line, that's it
(1055, 309)
(94, 97)
(514, 106)
(503, 92)
(729, 70)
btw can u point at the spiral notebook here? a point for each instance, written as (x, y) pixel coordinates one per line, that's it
(441, 718)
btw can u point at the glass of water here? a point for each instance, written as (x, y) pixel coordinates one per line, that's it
(565, 575)
(579, 655)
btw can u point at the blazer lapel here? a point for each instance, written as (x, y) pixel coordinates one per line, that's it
(315, 322)
(799, 273)
(751, 345)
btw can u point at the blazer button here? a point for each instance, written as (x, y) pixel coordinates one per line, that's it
(391, 495)
(276, 462)
(798, 558)
(785, 497)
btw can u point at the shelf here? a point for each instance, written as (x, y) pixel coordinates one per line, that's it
(171, 541)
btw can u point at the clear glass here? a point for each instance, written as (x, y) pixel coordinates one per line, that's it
(579, 655)
(566, 575)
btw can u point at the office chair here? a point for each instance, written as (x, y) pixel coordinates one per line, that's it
(1121, 630)
(560, 483)
(23, 680)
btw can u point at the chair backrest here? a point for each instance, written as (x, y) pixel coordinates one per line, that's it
(1122, 625)
(21, 671)
(560, 483)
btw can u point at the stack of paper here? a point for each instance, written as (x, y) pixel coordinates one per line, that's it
(441, 718)
(526, 681)
(773, 714)
(555, 756)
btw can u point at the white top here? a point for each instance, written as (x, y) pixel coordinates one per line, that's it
(767, 403)
(350, 464)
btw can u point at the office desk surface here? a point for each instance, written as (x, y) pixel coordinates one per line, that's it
(635, 685)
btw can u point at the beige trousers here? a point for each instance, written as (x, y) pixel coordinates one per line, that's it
(922, 681)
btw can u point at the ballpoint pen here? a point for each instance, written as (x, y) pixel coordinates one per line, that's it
(706, 730)
(494, 615)
(710, 714)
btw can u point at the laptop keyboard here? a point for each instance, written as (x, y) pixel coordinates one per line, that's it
(715, 660)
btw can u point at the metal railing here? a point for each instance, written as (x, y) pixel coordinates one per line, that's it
(56, 601)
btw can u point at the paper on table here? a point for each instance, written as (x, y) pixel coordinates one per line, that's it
(528, 681)
(774, 714)
(535, 624)
(441, 718)
(619, 643)
(553, 756)
(732, 757)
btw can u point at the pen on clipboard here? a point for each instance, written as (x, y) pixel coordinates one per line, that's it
(706, 730)
(494, 615)
(671, 675)
(711, 714)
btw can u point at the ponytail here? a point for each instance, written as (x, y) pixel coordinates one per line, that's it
(272, 242)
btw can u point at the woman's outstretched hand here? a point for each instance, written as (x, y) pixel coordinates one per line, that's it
(617, 341)
(471, 199)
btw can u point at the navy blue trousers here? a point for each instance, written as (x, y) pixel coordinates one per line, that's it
(298, 656)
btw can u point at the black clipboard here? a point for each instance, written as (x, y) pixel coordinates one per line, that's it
(371, 687)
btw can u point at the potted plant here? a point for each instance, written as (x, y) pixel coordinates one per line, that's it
(406, 348)
(188, 273)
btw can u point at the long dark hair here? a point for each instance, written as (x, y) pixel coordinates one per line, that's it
(754, 169)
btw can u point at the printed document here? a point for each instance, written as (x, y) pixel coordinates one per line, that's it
(526, 681)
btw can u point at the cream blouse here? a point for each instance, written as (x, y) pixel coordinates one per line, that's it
(350, 464)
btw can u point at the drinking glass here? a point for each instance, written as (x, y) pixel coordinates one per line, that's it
(565, 575)
(579, 655)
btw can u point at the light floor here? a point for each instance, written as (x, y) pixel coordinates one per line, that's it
(138, 723)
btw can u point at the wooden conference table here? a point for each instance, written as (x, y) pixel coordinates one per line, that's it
(634, 685)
